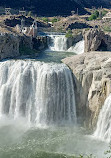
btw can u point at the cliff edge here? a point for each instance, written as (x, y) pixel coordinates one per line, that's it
(92, 77)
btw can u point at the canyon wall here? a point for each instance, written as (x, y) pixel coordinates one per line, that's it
(9, 45)
(12, 45)
(92, 77)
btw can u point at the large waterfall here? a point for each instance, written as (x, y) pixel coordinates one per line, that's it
(43, 93)
(103, 130)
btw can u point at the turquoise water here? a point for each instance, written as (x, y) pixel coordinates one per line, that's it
(18, 140)
(52, 56)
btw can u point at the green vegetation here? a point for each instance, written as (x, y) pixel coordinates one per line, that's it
(69, 34)
(104, 12)
(94, 16)
(45, 19)
(97, 15)
(54, 20)
(27, 51)
(107, 28)
(29, 14)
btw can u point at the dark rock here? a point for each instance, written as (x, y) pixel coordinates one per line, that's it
(97, 40)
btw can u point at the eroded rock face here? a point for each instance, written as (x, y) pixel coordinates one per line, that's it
(92, 77)
(73, 40)
(97, 40)
(9, 46)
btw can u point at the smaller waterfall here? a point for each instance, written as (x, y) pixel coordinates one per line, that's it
(58, 43)
(78, 48)
(103, 130)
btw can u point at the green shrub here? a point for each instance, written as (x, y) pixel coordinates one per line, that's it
(92, 17)
(96, 13)
(45, 19)
(69, 34)
(107, 29)
(104, 12)
(54, 20)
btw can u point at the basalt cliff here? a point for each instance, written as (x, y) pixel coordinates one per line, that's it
(92, 75)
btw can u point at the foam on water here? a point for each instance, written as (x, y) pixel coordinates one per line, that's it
(103, 130)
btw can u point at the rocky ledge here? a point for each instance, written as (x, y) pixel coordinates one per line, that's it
(92, 77)
(9, 45)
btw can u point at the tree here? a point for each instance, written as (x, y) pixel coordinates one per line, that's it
(92, 17)
(96, 13)
(54, 20)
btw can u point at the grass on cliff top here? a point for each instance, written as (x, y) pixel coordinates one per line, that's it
(107, 29)
(69, 34)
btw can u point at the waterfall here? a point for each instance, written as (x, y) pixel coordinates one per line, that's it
(43, 93)
(103, 130)
(58, 43)
(78, 48)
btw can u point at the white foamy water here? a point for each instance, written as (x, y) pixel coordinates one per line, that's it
(41, 93)
(78, 48)
(59, 43)
(103, 130)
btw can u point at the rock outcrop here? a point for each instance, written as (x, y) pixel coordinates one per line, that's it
(12, 45)
(73, 40)
(9, 45)
(78, 25)
(92, 77)
(97, 40)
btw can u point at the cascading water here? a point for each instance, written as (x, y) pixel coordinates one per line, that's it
(103, 130)
(41, 95)
(78, 48)
(58, 43)
(40, 92)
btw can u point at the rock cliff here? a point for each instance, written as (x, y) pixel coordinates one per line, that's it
(97, 40)
(9, 45)
(73, 40)
(92, 77)
(12, 45)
